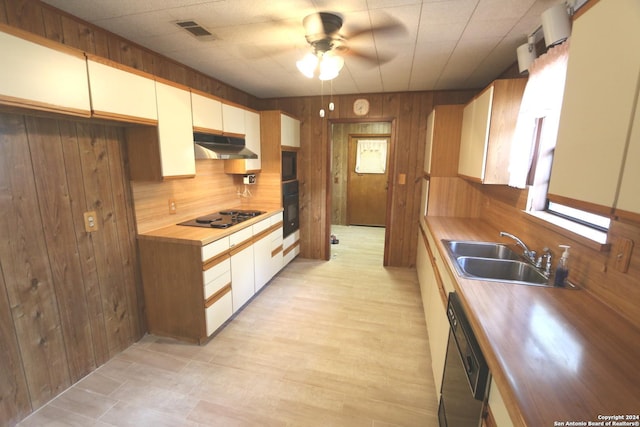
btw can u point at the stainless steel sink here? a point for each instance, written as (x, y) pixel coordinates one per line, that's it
(459, 248)
(494, 262)
(501, 270)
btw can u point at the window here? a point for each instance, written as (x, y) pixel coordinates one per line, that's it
(535, 139)
(588, 219)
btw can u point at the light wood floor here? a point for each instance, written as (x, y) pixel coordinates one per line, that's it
(337, 343)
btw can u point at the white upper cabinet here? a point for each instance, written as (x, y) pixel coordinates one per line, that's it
(597, 109)
(164, 151)
(121, 93)
(43, 75)
(252, 139)
(290, 129)
(431, 119)
(233, 121)
(488, 124)
(175, 131)
(207, 113)
(628, 204)
(475, 136)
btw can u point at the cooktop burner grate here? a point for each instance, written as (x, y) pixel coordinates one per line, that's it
(222, 219)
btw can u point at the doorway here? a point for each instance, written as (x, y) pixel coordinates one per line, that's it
(344, 137)
(367, 180)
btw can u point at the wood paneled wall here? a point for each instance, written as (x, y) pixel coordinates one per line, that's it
(70, 300)
(407, 111)
(340, 161)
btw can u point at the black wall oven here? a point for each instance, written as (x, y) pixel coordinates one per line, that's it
(465, 378)
(290, 205)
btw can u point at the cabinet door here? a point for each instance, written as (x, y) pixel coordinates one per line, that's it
(233, 119)
(602, 74)
(290, 129)
(291, 245)
(276, 251)
(35, 76)
(242, 276)
(442, 150)
(218, 311)
(475, 136)
(628, 204)
(429, 144)
(252, 139)
(206, 112)
(435, 314)
(120, 94)
(498, 407)
(242, 267)
(175, 131)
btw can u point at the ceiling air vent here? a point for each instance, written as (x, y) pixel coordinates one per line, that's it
(196, 30)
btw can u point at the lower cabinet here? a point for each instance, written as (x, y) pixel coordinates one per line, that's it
(267, 250)
(498, 408)
(218, 308)
(435, 283)
(192, 290)
(291, 247)
(242, 269)
(434, 303)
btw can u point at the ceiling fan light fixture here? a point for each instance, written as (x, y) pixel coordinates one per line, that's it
(330, 66)
(307, 65)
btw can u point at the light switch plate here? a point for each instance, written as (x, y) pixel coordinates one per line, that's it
(622, 249)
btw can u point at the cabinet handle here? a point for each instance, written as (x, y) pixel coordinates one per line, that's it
(276, 251)
(212, 262)
(215, 297)
(240, 247)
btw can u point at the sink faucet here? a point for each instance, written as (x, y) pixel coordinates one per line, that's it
(545, 256)
(528, 254)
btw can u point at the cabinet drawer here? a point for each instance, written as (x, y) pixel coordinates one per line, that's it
(214, 248)
(240, 236)
(216, 277)
(219, 311)
(276, 241)
(291, 239)
(277, 218)
(210, 288)
(261, 226)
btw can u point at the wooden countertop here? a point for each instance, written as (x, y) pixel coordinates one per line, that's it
(201, 236)
(557, 355)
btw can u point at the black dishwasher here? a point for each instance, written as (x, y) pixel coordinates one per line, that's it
(464, 382)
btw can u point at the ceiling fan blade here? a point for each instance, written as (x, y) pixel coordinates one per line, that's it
(373, 59)
(389, 27)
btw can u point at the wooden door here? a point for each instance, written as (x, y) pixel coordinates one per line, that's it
(367, 187)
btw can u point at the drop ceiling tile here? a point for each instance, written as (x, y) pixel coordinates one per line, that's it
(452, 44)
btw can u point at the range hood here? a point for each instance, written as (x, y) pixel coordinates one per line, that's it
(209, 146)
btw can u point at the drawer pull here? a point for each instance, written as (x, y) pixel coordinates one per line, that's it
(276, 251)
(215, 297)
(212, 262)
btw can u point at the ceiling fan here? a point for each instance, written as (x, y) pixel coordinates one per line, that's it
(322, 32)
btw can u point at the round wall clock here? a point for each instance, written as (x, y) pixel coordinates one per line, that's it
(361, 107)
